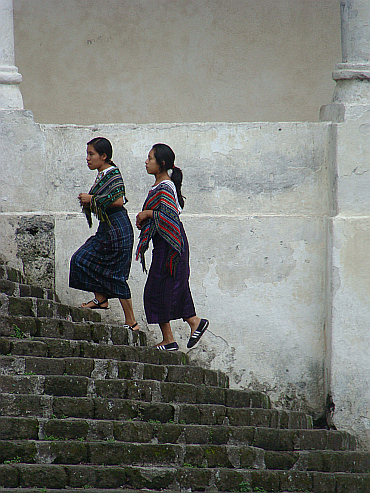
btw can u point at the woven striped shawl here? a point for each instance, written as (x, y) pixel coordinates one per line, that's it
(165, 222)
(105, 191)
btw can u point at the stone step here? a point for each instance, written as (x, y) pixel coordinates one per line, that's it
(16, 306)
(9, 273)
(41, 406)
(50, 476)
(144, 390)
(29, 328)
(179, 455)
(110, 369)
(154, 431)
(129, 350)
(17, 288)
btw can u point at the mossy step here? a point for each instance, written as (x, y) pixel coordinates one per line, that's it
(145, 390)
(41, 406)
(10, 273)
(49, 476)
(130, 350)
(154, 431)
(16, 306)
(29, 328)
(179, 455)
(111, 368)
(12, 288)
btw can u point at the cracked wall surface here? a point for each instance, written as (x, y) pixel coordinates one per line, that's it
(259, 209)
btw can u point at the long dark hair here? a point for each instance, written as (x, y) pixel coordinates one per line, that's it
(103, 146)
(165, 158)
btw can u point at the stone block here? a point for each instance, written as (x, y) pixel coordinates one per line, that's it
(66, 386)
(265, 481)
(210, 395)
(59, 348)
(24, 405)
(66, 430)
(153, 478)
(14, 275)
(228, 480)
(5, 345)
(241, 435)
(354, 483)
(296, 481)
(113, 389)
(83, 476)
(27, 347)
(188, 414)
(73, 407)
(324, 482)
(281, 460)
(157, 411)
(13, 451)
(44, 366)
(133, 432)
(154, 372)
(35, 291)
(120, 336)
(211, 414)
(196, 434)
(60, 310)
(198, 479)
(178, 392)
(9, 476)
(192, 375)
(18, 428)
(18, 384)
(7, 287)
(252, 458)
(115, 409)
(79, 366)
(84, 314)
(101, 430)
(274, 439)
(100, 333)
(42, 476)
(66, 452)
(25, 290)
(313, 440)
(217, 455)
(20, 307)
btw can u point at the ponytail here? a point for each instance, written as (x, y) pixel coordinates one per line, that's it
(165, 158)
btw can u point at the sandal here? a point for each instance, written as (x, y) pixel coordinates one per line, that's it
(202, 327)
(131, 327)
(97, 304)
(172, 346)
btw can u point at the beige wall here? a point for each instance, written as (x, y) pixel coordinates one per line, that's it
(89, 61)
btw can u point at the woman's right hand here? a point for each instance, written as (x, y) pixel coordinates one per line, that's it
(142, 217)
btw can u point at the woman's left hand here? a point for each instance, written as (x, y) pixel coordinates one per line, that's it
(85, 199)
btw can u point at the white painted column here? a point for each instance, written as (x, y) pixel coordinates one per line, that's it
(10, 78)
(348, 335)
(352, 75)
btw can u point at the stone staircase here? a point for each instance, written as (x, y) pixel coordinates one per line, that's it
(86, 405)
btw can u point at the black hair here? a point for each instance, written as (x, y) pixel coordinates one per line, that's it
(103, 146)
(165, 158)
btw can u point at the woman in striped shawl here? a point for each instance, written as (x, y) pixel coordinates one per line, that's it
(102, 265)
(167, 294)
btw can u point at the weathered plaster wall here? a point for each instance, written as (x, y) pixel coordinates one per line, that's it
(256, 214)
(350, 367)
(149, 61)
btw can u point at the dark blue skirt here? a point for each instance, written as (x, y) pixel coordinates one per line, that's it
(102, 264)
(166, 297)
